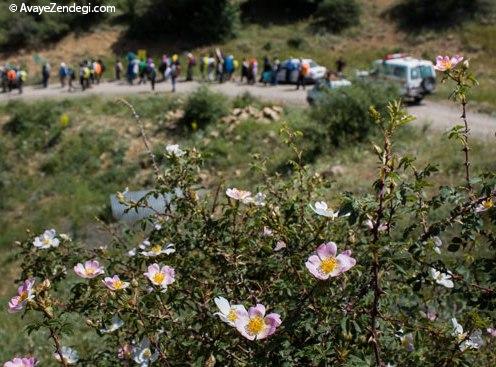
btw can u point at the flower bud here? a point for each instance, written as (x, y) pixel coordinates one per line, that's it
(46, 284)
(134, 282)
(466, 64)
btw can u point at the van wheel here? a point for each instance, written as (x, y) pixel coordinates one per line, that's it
(428, 85)
(417, 100)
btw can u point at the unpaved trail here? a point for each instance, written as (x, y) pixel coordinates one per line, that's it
(440, 116)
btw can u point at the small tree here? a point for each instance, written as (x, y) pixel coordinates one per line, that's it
(337, 15)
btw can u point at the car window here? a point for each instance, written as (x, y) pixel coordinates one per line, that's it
(415, 73)
(399, 71)
(426, 71)
(312, 64)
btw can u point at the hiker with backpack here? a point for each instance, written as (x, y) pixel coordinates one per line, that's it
(267, 72)
(175, 71)
(191, 65)
(71, 77)
(276, 67)
(151, 74)
(62, 74)
(228, 67)
(45, 74)
(84, 75)
(118, 69)
(303, 71)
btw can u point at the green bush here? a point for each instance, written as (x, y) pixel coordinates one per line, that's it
(30, 29)
(37, 125)
(204, 107)
(345, 112)
(244, 100)
(440, 13)
(337, 15)
(195, 22)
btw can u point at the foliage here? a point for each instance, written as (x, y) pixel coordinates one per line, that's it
(344, 112)
(29, 29)
(204, 107)
(419, 259)
(197, 22)
(420, 14)
(337, 15)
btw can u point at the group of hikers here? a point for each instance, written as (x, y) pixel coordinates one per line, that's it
(12, 77)
(213, 67)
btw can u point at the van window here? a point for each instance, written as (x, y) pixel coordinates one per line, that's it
(399, 71)
(415, 73)
(426, 71)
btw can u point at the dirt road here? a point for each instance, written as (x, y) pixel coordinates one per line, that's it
(439, 115)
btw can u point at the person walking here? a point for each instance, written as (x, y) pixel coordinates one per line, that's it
(290, 67)
(203, 66)
(118, 69)
(211, 68)
(175, 71)
(63, 72)
(45, 74)
(71, 76)
(191, 65)
(266, 72)
(228, 67)
(276, 67)
(152, 74)
(303, 70)
(245, 66)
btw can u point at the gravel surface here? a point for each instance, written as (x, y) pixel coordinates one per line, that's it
(440, 116)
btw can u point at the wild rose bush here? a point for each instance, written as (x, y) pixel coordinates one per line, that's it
(283, 274)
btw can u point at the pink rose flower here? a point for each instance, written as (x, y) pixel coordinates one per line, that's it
(324, 263)
(24, 294)
(114, 283)
(444, 63)
(254, 324)
(21, 362)
(89, 270)
(160, 276)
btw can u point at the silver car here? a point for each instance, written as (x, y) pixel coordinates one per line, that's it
(288, 73)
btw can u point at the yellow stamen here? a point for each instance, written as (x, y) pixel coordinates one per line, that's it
(328, 265)
(147, 353)
(23, 296)
(488, 204)
(156, 249)
(232, 316)
(159, 278)
(255, 325)
(118, 284)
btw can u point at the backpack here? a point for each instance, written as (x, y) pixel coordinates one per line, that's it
(11, 75)
(305, 69)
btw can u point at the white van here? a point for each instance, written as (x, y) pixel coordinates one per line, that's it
(415, 78)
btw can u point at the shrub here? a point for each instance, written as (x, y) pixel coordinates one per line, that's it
(344, 112)
(204, 107)
(337, 15)
(37, 125)
(440, 13)
(197, 21)
(33, 29)
(398, 275)
(246, 99)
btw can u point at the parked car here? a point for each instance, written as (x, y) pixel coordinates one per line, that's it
(415, 78)
(322, 85)
(316, 71)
